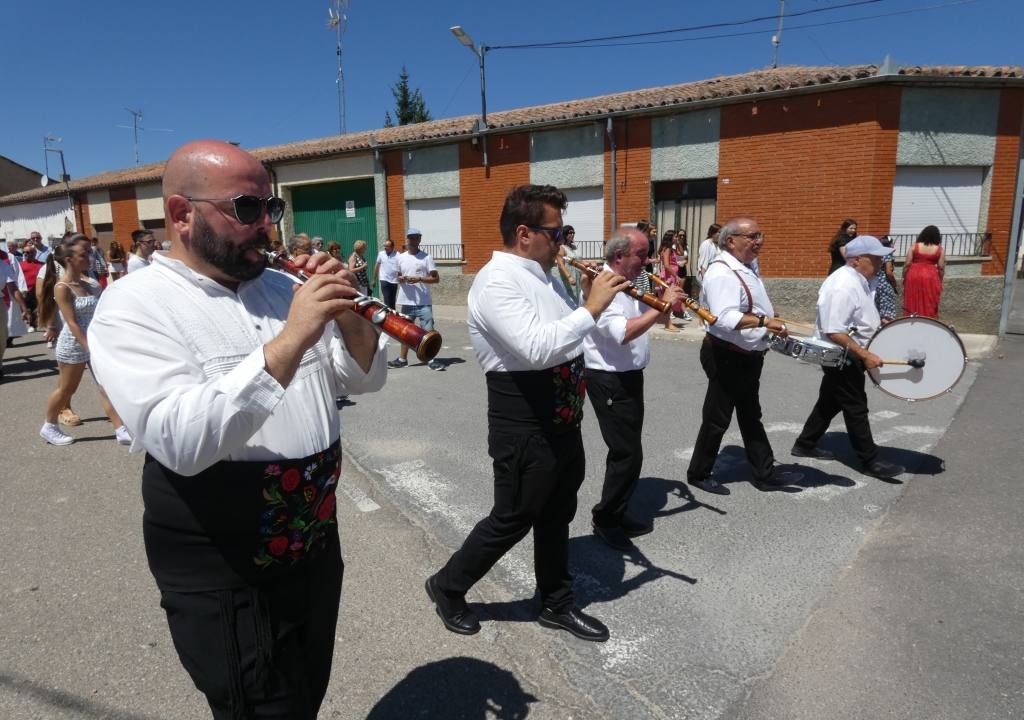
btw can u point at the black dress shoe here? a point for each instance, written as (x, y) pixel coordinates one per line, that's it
(575, 621)
(454, 613)
(883, 470)
(709, 484)
(635, 528)
(778, 481)
(813, 452)
(614, 537)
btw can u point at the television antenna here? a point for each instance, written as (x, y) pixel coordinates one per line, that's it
(337, 20)
(135, 127)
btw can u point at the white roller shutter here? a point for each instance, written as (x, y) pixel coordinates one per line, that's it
(439, 219)
(947, 197)
(585, 213)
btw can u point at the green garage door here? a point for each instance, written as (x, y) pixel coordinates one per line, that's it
(324, 209)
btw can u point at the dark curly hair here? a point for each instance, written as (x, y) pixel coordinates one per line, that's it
(525, 205)
(930, 236)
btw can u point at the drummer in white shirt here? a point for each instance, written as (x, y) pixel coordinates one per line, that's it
(616, 353)
(847, 316)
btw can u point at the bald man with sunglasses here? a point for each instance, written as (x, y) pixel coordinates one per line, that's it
(227, 374)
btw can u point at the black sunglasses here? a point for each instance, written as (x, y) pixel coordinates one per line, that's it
(557, 234)
(249, 208)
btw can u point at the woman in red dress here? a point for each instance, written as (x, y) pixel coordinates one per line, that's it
(922, 274)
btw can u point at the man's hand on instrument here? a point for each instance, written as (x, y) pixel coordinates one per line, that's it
(672, 295)
(778, 327)
(871, 360)
(603, 289)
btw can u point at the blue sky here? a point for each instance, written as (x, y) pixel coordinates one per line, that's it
(262, 72)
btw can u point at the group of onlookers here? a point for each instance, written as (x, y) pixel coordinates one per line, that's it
(923, 271)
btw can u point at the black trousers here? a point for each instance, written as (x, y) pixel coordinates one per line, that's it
(734, 383)
(266, 651)
(389, 292)
(842, 389)
(536, 478)
(618, 400)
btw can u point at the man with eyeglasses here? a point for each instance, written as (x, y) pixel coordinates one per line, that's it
(143, 246)
(528, 339)
(226, 373)
(732, 357)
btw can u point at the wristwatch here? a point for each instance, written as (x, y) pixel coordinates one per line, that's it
(760, 321)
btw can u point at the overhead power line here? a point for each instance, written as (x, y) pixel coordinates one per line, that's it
(550, 46)
(691, 28)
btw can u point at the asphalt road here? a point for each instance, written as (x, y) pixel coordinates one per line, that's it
(700, 616)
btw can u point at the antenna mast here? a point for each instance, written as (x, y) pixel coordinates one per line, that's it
(777, 37)
(338, 21)
(136, 119)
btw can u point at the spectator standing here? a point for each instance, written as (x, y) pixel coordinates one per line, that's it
(16, 309)
(30, 267)
(317, 243)
(116, 261)
(669, 271)
(12, 296)
(708, 251)
(386, 269)
(75, 296)
(359, 266)
(837, 246)
(299, 245)
(99, 269)
(42, 248)
(568, 275)
(416, 270)
(885, 286)
(334, 250)
(923, 271)
(143, 245)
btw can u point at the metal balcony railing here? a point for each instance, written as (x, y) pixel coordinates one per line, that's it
(590, 249)
(444, 251)
(955, 244)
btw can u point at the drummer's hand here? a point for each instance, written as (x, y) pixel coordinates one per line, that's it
(871, 360)
(778, 327)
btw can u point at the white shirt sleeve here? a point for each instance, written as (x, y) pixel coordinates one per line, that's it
(185, 420)
(351, 378)
(723, 301)
(612, 323)
(7, 273)
(431, 266)
(835, 311)
(506, 315)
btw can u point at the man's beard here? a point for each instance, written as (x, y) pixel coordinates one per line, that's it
(225, 255)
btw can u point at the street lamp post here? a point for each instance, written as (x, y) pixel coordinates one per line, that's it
(481, 53)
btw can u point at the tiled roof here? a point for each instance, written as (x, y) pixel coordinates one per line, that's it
(649, 99)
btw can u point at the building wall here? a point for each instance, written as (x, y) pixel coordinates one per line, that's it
(380, 193)
(125, 213)
(48, 217)
(568, 157)
(685, 146)
(633, 174)
(99, 207)
(431, 172)
(391, 163)
(799, 165)
(341, 167)
(1004, 178)
(947, 126)
(150, 201)
(484, 190)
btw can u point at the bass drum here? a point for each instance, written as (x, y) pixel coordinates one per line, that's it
(920, 338)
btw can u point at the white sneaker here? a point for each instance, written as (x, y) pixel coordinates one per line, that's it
(52, 434)
(122, 436)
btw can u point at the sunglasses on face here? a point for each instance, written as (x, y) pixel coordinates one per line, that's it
(556, 234)
(249, 208)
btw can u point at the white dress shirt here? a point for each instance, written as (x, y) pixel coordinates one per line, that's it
(388, 266)
(419, 265)
(706, 255)
(723, 294)
(136, 262)
(520, 320)
(846, 300)
(181, 358)
(603, 349)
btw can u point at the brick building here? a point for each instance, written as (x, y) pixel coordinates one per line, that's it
(798, 148)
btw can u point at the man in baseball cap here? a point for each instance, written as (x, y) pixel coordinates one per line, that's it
(847, 316)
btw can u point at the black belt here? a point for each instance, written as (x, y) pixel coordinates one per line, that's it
(726, 345)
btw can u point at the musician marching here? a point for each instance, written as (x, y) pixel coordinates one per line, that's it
(616, 353)
(528, 338)
(732, 356)
(846, 315)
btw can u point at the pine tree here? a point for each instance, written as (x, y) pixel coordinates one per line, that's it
(409, 104)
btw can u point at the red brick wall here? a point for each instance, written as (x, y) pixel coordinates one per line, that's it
(82, 223)
(395, 183)
(483, 191)
(125, 213)
(1004, 178)
(633, 172)
(800, 165)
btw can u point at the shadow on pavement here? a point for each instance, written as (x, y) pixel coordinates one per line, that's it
(916, 463)
(600, 571)
(23, 367)
(458, 688)
(653, 495)
(45, 694)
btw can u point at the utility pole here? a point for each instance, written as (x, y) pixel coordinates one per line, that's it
(481, 54)
(777, 37)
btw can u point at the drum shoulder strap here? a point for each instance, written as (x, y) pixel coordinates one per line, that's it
(746, 288)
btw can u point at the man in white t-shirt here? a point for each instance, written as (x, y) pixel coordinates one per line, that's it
(143, 245)
(387, 270)
(416, 270)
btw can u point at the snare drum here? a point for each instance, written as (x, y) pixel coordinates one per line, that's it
(923, 338)
(809, 350)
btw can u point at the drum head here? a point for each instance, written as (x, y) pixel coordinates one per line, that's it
(924, 338)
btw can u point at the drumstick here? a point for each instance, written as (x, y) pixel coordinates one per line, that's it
(912, 362)
(795, 322)
(688, 301)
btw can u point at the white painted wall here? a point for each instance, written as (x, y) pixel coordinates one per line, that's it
(48, 217)
(439, 219)
(948, 197)
(100, 212)
(338, 168)
(149, 200)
